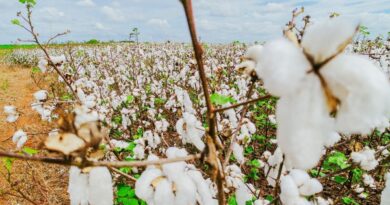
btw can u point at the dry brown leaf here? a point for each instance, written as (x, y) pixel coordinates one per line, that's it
(66, 143)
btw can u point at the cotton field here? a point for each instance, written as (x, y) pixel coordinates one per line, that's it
(302, 119)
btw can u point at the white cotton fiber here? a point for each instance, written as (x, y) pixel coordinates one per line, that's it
(365, 158)
(164, 194)
(238, 153)
(143, 187)
(12, 114)
(100, 187)
(185, 190)
(303, 124)
(299, 176)
(364, 92)
(385, 197)
(289, 190)
(191, 130)
(19, 138)
(323, 39)
(202, 187)
(243, 194)
(40, 95)
(282, 67)
(78, 187)
(310, 187)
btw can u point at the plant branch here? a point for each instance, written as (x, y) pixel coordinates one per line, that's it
(242, 103)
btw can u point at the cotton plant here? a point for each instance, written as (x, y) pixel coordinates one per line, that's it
(11, 112)
(322, 90)
(173, 183)
(90, 186)
(272, 167)
(41, 107)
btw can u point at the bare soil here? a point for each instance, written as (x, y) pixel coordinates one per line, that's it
(26, 182)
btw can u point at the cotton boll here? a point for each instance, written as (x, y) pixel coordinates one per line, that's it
(84, 115)
(12, 118)
(369, 181)
(191, 130)
(310, 187)
(9, 109)
(143, 185)
(164, 193)
(238, 153)
(40, 95)
(332, 139)
(282, 77)
(243, 194)
(289, 191)
(185, 190)
(78, 187)
(202, 187)
(42, 65)
(365, 158)
(363, 90)
(385, 197)
(100, 187)
(246, 67)
(299, 176)
(153, 139)
(254, 53)
(19, 138)
(323, 40)
(303, 124)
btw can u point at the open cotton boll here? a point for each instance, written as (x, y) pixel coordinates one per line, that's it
(100, 187)
(246, 67)
(10, 110)
(385, 197)
(173, 170)
(42, 65)
(303, 124)
(310, 187)
(289, 191)
(19, 138)
(365, 158)
(364, 92)
(84, 115)
(191, 130)
(238, 153)
(40, 95)
(323, 39)
(143, 186)
(282, 77)
(368, 180)
(243, 194)
(58, 59)
(78, 187)
(164, 193)
(153, 139)
(185, 190)
(202, 186)
(332, 139)
(299, 176)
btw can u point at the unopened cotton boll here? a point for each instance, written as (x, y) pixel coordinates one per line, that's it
(100, 187)
(40, 95)
(385, 197)
(282, 77)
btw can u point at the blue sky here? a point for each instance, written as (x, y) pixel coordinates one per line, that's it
(218, 21)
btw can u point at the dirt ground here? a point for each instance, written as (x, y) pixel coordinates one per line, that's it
(26, 182)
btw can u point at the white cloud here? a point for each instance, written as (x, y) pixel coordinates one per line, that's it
(51, 12)
(86, 3)
(162, 23)
(100, 26)
(113, 13)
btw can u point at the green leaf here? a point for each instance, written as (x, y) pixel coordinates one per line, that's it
(337, 160)
(349, 200)
(357, 175)
(129, 99)
(8, 163)
(35, 70)
(15, 22)
(232, 200)
(30, 151)
(218, 99)
(340, 179)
